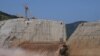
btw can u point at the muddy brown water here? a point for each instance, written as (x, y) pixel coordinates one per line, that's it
(40, 49)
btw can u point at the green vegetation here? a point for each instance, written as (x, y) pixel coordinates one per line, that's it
(5, 16)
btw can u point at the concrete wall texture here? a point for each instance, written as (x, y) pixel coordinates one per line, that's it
(34, 30)
(85, 41)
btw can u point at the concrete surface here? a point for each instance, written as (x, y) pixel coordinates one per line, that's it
(34, 30)
(85, 41)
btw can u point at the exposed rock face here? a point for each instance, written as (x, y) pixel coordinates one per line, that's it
(33, 30)
(85, 41)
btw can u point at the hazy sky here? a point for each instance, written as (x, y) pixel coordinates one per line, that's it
(65, 10)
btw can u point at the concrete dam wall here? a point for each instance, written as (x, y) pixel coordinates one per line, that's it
(34, 30)
(31, 38)
(43, 37)
(85, 41)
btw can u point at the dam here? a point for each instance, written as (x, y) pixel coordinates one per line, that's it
(46, 37)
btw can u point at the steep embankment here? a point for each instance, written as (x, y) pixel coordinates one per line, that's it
(85, 41)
